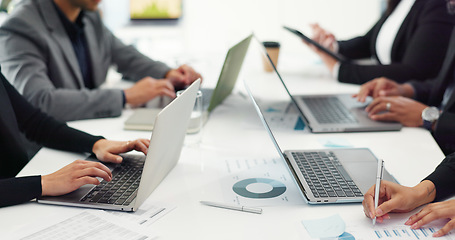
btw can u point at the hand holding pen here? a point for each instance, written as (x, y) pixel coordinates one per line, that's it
(394, 197)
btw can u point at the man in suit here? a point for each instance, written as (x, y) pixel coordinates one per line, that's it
(429, 104)
(57, 53)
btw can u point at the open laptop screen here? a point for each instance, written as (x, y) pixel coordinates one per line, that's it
(275, 101)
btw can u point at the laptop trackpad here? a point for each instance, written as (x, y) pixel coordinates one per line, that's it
(365, 178)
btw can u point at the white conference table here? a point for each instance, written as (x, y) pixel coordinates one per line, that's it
(234, 131)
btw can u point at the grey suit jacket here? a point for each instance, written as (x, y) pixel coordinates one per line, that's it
(37, 57)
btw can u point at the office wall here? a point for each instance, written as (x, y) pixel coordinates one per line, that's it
(211, 26)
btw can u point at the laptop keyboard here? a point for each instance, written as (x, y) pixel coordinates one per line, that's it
(122, 189)
(329, 110)
(325, 175)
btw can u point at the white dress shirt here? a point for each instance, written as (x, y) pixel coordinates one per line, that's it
(389, 30)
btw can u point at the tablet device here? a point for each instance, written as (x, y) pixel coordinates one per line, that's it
(312, 42)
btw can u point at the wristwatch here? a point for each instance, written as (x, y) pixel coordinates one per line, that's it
(430, 115)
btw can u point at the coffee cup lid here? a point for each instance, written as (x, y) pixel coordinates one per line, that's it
(271, 44)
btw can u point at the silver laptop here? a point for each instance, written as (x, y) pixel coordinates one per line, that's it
(328, 175)
(142, 119)
(138, 176)
(334, 112)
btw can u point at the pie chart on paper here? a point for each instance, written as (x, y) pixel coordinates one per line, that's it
(259, 188)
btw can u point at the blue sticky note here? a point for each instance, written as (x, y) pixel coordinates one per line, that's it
(335, 142)
(270, 109)
(299, 125)
(329, 227)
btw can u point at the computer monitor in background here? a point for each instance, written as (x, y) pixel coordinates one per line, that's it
(155, 9)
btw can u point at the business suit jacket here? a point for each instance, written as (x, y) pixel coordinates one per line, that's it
(36, 55)
(443, 178)
(18, 116)
(417, 51)
(431, 92)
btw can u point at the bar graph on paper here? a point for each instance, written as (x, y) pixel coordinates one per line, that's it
(405, 233)
(398, 232)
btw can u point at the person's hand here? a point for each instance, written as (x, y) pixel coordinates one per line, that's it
(182, 76)
(383, 87)
(323, 37)
(327, 40)
(397, 109)
(73, 176)
(396, 198)
(107, 150)
(148, 88)
(434, 211)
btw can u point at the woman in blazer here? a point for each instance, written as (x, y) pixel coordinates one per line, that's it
(408, 42)
(18, 116)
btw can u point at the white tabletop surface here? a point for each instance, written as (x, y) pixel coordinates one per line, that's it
(234, 131)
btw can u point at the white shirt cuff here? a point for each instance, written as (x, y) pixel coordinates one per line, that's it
(335, 70)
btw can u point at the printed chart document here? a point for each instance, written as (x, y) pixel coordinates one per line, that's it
(259, 182)
(145, 215)
(394, 228)
(363, 229)
(283, 116)
(402, 232)
(89, 224)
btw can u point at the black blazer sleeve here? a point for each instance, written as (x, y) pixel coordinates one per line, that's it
(430, 93)
(417, 52)
(444, 133)
(45, 130)
(17, 115)
(360, 47)
(443, 178)
(19, 190)
(422, 90)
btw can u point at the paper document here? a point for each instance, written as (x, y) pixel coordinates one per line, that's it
(284, 116)
(145, 215)
(363, 229)
(401, 232)
(89, 224)
(259, 182)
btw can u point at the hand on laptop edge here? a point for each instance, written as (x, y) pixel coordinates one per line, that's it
(148, 88)
(107, 150)
(183, 76)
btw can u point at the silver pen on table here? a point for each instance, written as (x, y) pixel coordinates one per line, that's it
(233, 207)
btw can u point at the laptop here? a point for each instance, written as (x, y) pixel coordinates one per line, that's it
(334, 112)
(138, 176)
(142, 119)
(340, 175)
